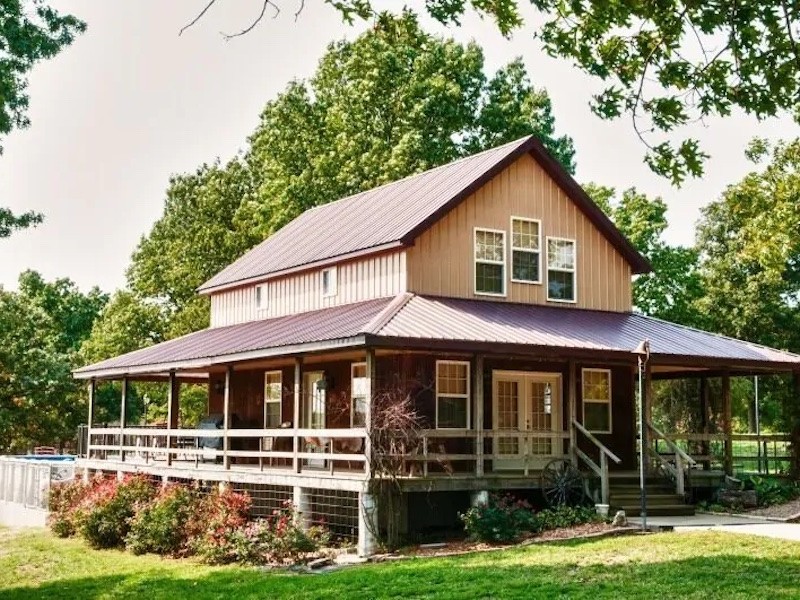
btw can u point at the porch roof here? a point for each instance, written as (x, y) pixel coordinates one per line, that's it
(413, 321)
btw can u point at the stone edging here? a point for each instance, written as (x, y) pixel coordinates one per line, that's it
(789, 519)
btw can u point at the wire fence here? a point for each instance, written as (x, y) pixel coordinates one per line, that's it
(27, 482)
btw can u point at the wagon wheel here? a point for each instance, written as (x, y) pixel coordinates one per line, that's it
(562, 483)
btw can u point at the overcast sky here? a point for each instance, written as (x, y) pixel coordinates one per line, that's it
(131, 102)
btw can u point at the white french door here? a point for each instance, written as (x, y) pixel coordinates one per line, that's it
(526, 418)
(315, 395)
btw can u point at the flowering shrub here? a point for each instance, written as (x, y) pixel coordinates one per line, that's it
(161, 525)
(64, 498)
(566, 516)
(502, 519)
(103, 516)
(220, 515)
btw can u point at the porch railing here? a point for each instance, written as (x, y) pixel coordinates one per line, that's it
(600, 470)
(681, 461)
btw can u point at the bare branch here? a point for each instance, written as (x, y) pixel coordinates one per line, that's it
(245, 31)
(198, 17)
(300, 9)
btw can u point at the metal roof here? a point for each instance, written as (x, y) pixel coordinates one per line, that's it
(445, 323)
(394, 214)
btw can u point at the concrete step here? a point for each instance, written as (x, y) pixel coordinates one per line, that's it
(668, 510)
(652, 499)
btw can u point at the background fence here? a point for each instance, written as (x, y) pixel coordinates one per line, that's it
(27, 481)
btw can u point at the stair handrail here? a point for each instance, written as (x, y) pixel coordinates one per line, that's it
(681, 458)
(605, 454)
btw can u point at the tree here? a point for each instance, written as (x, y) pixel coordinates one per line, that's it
(41, 328)
(663, 64)
(671, 291)
(29, 32)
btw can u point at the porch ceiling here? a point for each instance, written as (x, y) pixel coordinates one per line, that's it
(409, 321)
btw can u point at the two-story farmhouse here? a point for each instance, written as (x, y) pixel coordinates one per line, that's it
(491, 292)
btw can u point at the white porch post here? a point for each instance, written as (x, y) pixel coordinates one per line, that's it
(226, 418)
(302, 503)
(298, 382)
(367, 524)
(370, 391)
(90, 418)
(478, 392)
(123, 418)
(172, 412)
(572, 398)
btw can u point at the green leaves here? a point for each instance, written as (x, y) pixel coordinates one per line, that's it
(9, 222)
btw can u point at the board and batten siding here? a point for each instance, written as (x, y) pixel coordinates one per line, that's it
(378, 276)
(441, 260)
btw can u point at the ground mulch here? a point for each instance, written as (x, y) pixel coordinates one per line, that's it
(788, 510)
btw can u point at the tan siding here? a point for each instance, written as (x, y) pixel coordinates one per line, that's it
(372, 277)
(441, 260)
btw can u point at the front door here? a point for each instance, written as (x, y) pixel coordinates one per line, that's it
(314, 392)
(527, 419)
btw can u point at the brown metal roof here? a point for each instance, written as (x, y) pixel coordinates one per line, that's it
(419, 321)
(247, 340)
(395, 214)
(479, 321)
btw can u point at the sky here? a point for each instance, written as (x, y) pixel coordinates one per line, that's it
(131, 102)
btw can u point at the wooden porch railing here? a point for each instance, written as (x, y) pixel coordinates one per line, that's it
(600, 470)
(681, 460)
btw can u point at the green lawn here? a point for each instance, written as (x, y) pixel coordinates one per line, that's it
(699, 565)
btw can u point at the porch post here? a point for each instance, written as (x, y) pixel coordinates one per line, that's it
(726, 422)
(298, 379)
(371, 389)
(123, 418)
(90, 418)
(479, 396)
(704, 422)
(226, 418)
(647, 414)
(172, 412)
(572, 387)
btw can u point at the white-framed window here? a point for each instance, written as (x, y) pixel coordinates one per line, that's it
(596, 394)
(526, 254)
(490, 262)
(561, 261)
(262, 297)
(273, 396)
(452, 394)
(330, 282)
(359, 389)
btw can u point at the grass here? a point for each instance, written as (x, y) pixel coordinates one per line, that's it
(33, 564)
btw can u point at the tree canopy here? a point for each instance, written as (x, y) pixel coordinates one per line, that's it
(664, 65)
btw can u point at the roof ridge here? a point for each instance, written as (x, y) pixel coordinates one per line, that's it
(389, 312)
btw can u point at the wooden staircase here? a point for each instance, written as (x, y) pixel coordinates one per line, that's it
(662, 501)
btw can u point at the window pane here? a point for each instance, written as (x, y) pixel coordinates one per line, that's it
(489, 278)
(560, 254)
(560, 285)
(273, 414)
(359, 412)
(452, 378)
(597, 416)
(525, 234)
(489, 245)
(596, 386)
(525, 265)
(452, 412)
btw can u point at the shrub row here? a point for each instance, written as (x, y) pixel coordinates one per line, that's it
(505, 519)
(177, 520)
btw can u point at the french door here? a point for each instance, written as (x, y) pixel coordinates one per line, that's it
(527, 419)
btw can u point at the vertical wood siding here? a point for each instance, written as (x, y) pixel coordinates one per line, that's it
(378, 276)
(441, 261)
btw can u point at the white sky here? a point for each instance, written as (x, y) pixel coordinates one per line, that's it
(130, 103)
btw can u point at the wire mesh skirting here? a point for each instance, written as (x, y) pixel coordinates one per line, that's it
(28, 482)
(337, 510)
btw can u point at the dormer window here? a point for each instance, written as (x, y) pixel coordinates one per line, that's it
(490, 262)
(329, 282)
(525, 250)
(561, 283)
(262, 298)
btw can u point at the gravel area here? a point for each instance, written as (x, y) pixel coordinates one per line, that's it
(779, 511)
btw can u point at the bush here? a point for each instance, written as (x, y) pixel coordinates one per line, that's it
(161, 525)
(502, 519)
(63, 500)
(213, 534)
(104, 514)
(566, 516)
(771, 491)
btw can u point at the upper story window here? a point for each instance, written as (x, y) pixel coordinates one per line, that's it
(561, 283)
(525, 250)
(262, 298)
(490, 262)
(273, 394)
(329, 282)
(359, 387)
(452, 394)
(597, 400)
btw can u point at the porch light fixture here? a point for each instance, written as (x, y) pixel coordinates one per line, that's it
(326, 383)
(642, 352)
(548, 400)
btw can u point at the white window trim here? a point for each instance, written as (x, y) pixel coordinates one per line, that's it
(279, 401)
(610, 401)
(465, 396)
(574, 270)
(262, 296)
(511, 254)
(475, 261)
(334, 280)
(353, 367)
